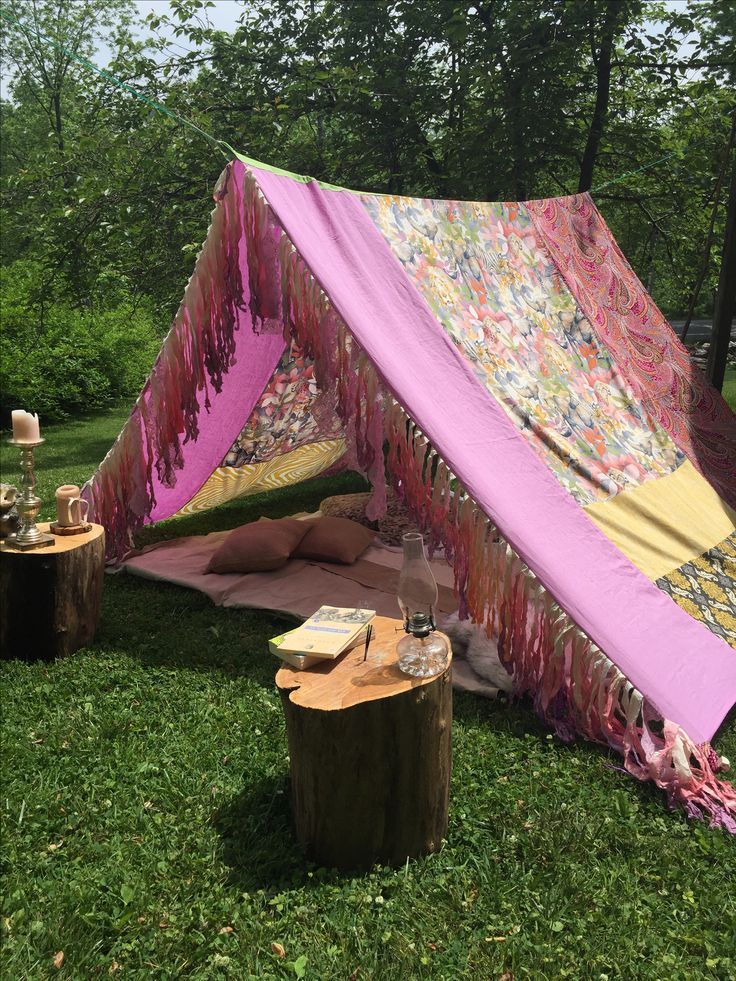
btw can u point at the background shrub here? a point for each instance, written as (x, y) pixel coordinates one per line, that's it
(57, 360)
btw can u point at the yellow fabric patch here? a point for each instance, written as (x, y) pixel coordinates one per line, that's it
(227, 483)
(666, 522)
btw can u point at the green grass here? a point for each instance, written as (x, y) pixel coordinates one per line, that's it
(146, 819)
(729, 387)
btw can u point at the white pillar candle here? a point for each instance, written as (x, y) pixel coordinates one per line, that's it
(25, 427)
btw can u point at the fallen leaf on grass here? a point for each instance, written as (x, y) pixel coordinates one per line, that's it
(163, 925)
(278, 949)
(58, 959)
(226, 929)
(114, 967)
(52, 847)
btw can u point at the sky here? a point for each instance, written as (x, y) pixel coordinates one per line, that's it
(223, 16)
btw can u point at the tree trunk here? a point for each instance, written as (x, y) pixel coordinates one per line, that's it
(726, 296)
(602, 97)
(56, 102)
(370, 756)
(51, 596)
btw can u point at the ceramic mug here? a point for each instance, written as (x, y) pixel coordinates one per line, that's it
(71, 509)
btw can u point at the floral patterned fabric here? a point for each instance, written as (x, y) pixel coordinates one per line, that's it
(647, 352)
(706, 588)
(288, 415)
(496, 292)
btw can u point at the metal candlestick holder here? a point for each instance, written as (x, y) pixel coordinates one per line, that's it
(28, 505)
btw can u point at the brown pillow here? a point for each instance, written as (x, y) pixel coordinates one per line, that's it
(334, 540)
(259, 546)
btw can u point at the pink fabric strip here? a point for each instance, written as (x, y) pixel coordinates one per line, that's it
(646, 350)
(686, 672)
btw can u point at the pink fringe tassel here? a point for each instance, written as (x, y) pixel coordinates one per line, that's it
(197, 352)
(574, 686)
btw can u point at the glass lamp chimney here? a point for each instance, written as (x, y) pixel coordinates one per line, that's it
(417, 586)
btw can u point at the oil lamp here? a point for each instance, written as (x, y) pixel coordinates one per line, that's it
(423, 652)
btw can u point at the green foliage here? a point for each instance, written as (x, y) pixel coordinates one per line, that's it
(147, 833)
(481, 101)
(56, 360)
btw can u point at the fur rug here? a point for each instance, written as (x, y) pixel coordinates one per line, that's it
(476, 666)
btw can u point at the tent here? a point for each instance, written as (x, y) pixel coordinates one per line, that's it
(501, 366)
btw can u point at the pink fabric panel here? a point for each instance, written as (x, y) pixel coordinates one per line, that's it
(645, 348)
(256, 357)
(687, 673)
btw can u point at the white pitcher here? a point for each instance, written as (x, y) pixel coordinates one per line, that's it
(71, 509)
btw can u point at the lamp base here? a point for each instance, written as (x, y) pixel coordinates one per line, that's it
(12, 542)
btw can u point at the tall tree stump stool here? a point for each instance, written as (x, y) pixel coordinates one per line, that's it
(371, 755)
(51, 595)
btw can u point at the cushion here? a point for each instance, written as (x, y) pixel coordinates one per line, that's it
(259, 546)
(334, 540)
(391, 527)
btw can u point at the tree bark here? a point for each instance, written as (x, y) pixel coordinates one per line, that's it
(711, 229)
(726, 296)
(602, 97)
(370, 757)
(51, 596)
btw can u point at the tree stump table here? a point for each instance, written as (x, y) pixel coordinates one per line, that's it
(51, 595)
(370, 755)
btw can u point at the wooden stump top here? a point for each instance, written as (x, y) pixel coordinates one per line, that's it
(64, 543)
(348, 680)
(53, 595)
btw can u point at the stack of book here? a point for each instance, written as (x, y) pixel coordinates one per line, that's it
(327, 634)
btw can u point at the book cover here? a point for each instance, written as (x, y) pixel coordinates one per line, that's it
(328, 632)
(301, 661)
(298, 661)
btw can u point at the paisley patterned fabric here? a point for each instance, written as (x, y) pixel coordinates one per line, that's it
(706, 588)
(494, 288)
(289, 414)
(625, 319)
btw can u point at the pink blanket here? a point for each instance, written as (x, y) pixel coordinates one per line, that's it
(297, 589)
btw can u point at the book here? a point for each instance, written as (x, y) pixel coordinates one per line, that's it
(327, 633)
(302, 661)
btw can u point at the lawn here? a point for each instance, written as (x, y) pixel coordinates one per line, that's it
(146, 827)
(729, 387)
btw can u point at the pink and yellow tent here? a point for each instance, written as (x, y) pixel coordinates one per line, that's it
(502, 367)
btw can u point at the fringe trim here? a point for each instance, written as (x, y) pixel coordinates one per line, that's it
(348, 383)
(198, 350)
(575, 688)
